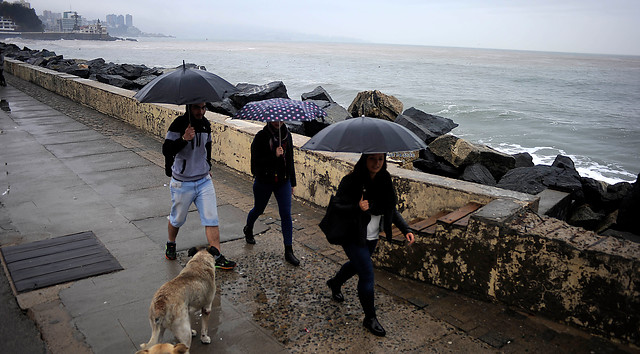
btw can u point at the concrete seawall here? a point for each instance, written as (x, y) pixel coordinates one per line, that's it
(506, 253)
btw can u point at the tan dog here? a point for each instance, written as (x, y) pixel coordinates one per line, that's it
(165, 348)
(173, 304)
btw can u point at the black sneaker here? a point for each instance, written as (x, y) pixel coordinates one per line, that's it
(224, 263)
(248, 236)
(170, 251)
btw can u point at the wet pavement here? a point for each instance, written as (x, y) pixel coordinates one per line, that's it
(68, 169)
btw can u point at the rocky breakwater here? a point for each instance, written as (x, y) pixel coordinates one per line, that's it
(594, 205)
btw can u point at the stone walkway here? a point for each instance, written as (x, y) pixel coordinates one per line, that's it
(71, 169)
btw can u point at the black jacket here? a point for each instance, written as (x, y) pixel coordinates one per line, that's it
(264, 163)
(382, 201)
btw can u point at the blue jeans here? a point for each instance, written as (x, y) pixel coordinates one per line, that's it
(261, 194)
(200, 192)
(360, 263)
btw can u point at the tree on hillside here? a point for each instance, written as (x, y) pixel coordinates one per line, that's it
(26, 19)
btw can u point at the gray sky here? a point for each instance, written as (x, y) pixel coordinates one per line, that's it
(586, 26)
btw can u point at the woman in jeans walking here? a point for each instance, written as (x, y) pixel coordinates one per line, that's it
(273, 171)
(366, 194)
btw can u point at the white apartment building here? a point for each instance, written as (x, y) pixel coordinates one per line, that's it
(6, 24)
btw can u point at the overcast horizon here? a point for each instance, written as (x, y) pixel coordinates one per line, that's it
(573, 26)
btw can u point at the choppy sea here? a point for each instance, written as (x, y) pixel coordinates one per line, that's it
(583, 106)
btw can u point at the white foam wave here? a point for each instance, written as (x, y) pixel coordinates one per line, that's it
(586, 167)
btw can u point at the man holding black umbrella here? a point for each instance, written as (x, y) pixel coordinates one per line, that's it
(187, 151)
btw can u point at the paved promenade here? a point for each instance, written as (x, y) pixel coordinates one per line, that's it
(66, 169)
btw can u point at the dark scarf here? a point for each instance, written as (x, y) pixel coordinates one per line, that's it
(278, 138)
(379, 192)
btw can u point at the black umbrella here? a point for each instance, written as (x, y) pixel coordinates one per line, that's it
(186, 86)
(365, 135)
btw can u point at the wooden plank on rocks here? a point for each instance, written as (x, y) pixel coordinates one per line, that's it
(460, 213)
(421, 225)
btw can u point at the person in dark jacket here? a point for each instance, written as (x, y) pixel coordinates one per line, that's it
(187, 152)
(274, 173)
(366, 194)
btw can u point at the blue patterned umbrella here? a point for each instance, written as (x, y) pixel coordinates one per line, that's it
(280, 110)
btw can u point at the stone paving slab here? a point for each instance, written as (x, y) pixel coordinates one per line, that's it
(105, 162)
(51, 138)
(83, 148)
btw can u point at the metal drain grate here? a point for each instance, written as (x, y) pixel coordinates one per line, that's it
(58, 260)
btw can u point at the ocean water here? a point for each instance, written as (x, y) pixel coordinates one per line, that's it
(583, 106)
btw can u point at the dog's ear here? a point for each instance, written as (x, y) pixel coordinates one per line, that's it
(192, 251)
(180, 349)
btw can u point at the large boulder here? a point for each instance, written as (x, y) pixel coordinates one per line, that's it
(223, 107)
(318, 94)
(428, 162)
(630, 210)
(436, 124)
(477, 173)
(40, 61)
(594, 192)
(335, 113)
(46, 53)
(59, 65)
(249, 93)
(116, 80)
(534, 180)
(142, 81)
(461, 153)
(152, 71)
(615, 194)
(131, 71)
(51, 60)
(523, 159)
(421, 131)
(80, 70)
(375, 104)
(565, 162)
(110, 69)
(95, 64)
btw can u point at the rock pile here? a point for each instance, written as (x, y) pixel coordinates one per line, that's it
(607, 209)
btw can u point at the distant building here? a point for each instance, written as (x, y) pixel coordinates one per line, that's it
(111, 20)
(6, 25)
(128, 20)
(70, 21)
(120, 21)
(94, 29)
(50, 20)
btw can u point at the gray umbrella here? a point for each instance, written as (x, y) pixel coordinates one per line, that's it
(365, 135)
(186, 86)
